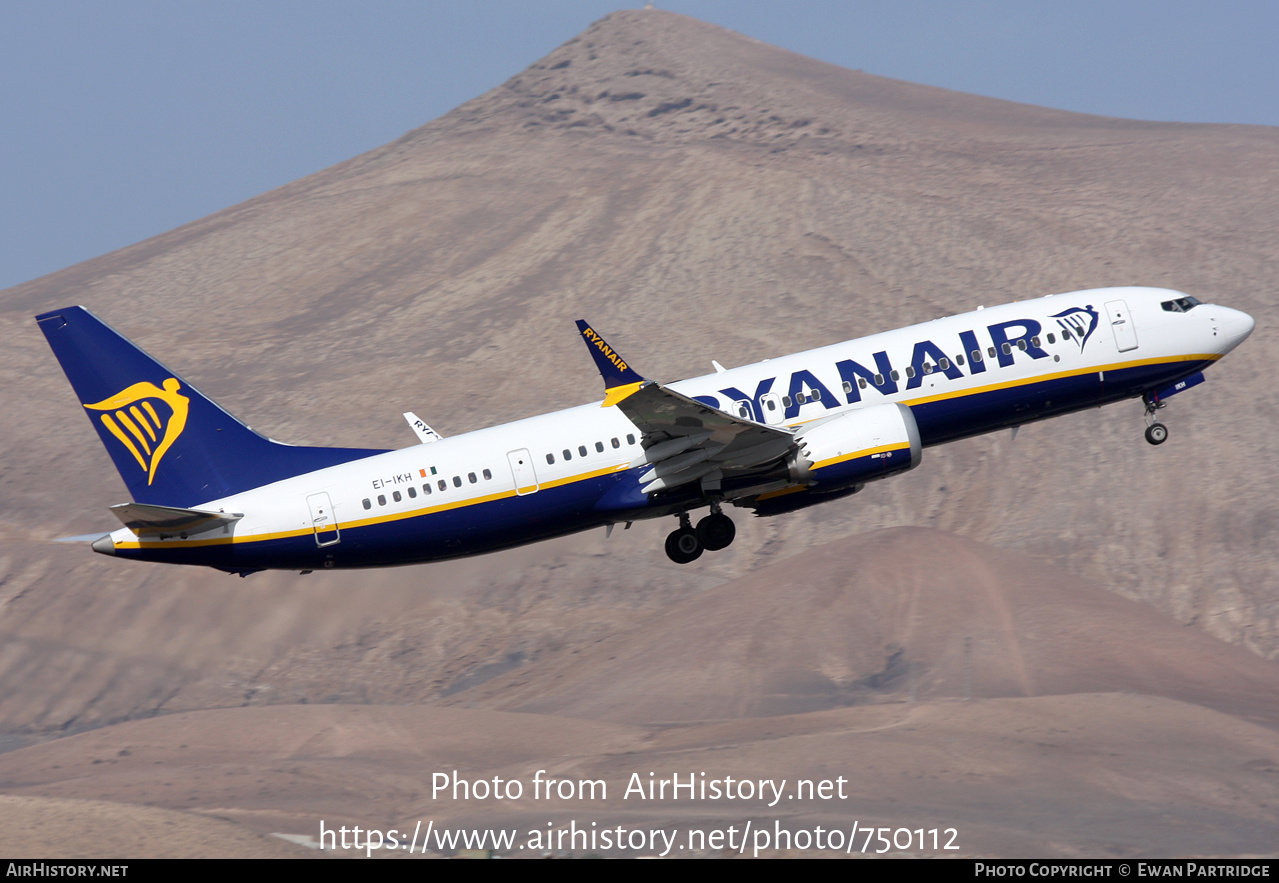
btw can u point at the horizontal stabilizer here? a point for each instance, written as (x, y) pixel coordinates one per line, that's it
(144, 518)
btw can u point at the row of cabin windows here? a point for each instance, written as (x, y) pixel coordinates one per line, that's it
(942, 363)
(443, 485)
(599, 448)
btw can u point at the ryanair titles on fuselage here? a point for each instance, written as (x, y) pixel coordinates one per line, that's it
(1005, 339)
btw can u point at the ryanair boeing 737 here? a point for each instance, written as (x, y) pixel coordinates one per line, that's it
(772, 437)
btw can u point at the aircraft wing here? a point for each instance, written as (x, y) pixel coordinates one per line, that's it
(684, 440)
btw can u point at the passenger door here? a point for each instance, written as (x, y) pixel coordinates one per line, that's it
(1121, 325)
(323, 521)
(522, 469)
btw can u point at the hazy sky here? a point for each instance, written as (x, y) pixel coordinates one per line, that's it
(121, 120)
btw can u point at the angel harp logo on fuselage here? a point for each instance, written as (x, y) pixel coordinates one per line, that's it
(1079, 322)
(132, 417)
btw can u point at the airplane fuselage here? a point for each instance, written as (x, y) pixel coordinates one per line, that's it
(581, 468)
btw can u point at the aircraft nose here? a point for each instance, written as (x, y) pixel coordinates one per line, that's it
(1234, 326)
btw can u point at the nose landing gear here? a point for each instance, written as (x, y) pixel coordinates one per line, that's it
(1156, 432)
(714, 532)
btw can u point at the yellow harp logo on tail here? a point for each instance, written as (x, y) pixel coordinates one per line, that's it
(133, 419)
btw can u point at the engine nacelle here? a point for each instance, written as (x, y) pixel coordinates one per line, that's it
(863, 445)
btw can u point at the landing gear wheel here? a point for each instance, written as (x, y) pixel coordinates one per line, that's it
(716, 531)
(683, 546)
(1156, 433)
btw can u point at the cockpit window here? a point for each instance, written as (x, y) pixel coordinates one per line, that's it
(1180, 305)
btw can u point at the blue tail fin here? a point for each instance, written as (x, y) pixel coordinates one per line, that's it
(172, 445)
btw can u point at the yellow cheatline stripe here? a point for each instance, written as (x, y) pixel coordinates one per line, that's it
(1077, 372)
(366, 522)
(866, 453)
(137, 415)
(133, 428)
(124, 439)
(617, 393)
(793, 489)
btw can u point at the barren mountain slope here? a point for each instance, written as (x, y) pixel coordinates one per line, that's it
(697, 195)
(881, 617)
(1082, 775)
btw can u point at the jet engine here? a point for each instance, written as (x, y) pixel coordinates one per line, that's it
(860, 446)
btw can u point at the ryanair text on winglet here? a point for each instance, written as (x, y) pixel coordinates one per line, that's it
(604, 348)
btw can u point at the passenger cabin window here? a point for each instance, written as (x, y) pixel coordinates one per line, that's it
(426, 490)
(1021, 344)
(1052, 338)
(1065, 335)
(581, 450)
(470, 476)
(550, 458)
(568, 455)
(910, 371)
(743, 410)
(630, 438)
(381, 499)
(412, 492)
(879, 379)
(1034, 341)
(928, 368)
(959, 359)
(457, 481)
(990, 350)
(895, 375)
(616, 443)
(444, 485)
(943, 364)
(785, 401)
(861, 384)
(367, 503)
(395, 495)
(599, 447)
(976, 355)
(817, 395)
(487, 475)
(1007, 348)
(801, 398)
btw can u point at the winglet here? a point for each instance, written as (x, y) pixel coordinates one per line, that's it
(425, 434)
(620, 379)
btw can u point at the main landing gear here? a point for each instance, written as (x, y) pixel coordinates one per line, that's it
(1156, 432)
(714, 532)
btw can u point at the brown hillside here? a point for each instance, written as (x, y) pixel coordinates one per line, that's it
(874, 619)
(1084, 775)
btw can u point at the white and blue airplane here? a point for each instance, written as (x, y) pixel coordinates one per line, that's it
(772, 437)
